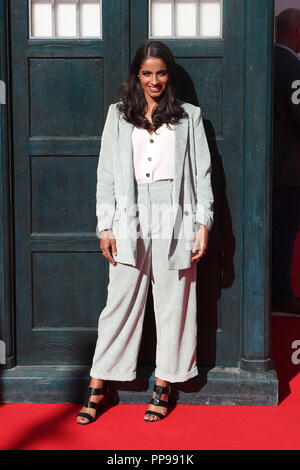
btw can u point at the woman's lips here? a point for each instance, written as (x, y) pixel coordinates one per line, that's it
(154, 89)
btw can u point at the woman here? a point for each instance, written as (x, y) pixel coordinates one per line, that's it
(154, 211)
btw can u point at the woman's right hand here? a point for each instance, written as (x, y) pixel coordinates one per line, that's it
(107, 243)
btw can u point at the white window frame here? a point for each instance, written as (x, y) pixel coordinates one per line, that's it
(78, 24)
(173, 36)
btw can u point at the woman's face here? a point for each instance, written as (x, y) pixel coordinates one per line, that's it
(154, 77)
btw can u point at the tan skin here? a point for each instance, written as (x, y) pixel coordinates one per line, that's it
(153, 77)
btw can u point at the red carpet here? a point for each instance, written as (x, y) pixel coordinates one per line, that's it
(187, 427)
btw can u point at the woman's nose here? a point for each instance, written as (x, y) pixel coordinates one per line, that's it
(154, 80)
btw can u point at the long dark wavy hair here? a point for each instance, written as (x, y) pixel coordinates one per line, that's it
(133, 102)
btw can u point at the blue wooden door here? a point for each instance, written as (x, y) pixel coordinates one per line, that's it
(61, 91)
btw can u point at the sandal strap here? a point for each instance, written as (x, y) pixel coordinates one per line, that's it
(91, 404)
(158, 392)
(86, 415)
(98, 391)
(95, 391)
(160, 389)
(149, 412)
(158, 402)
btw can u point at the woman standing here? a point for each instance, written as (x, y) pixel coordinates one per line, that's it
(154, 211)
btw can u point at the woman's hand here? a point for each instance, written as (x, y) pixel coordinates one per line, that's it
(107, 243)
(200, 243)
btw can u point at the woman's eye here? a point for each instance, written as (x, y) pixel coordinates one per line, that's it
(159, 73)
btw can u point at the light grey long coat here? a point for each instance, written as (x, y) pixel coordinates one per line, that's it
(192, 196)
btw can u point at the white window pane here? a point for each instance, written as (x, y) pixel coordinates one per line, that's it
(161, 18)
(65, 18)
(186, 15)
(41, 19)
(90, 18)
(210, 18)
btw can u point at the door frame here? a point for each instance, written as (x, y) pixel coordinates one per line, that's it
(7, 294)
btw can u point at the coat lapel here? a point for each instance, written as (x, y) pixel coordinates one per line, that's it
(125, 143)
(181, 140)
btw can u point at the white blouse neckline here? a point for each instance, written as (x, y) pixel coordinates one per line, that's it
(157, 130)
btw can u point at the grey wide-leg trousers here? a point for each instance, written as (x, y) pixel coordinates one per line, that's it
(174, 296)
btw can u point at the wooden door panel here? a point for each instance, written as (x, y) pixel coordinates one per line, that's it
(71, 88)
(68, 206)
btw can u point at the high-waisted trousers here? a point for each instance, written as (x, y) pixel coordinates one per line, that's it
(174, 298)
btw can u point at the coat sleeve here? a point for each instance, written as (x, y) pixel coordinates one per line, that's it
(205, 198)
(105, 191)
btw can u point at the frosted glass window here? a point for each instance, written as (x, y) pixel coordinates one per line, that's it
(41, 16)
(210, 18)
(65, 18)
(161, 15)
(90, 18)
(185, 18)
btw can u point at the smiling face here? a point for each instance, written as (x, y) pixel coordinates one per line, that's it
(153, 77)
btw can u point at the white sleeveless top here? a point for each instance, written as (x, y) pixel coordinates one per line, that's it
(153, 155)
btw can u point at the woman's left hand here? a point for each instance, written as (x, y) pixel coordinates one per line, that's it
(200, 243)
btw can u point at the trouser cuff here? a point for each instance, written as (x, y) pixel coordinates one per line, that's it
(119, 376)
(176, 378)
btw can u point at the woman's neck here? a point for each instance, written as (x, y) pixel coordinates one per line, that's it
(150, 105)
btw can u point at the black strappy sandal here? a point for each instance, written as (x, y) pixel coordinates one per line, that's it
(91, 404)
(159, 389)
